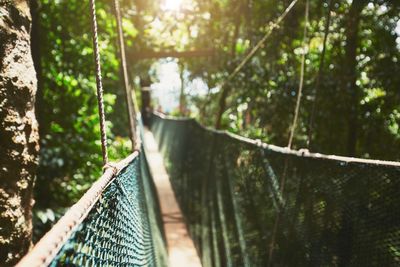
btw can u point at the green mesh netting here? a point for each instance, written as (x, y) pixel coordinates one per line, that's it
(332, 213)
(124, 227)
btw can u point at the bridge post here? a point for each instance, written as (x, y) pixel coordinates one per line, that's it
(146, 107)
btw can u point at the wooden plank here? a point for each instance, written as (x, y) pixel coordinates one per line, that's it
(181, 249)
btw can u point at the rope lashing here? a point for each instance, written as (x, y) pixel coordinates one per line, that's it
(300, 89)
(225, 89)
(99, 84)
(130, 109)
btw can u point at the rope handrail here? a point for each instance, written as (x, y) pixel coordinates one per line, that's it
(169, 117)
(48, 246)
(285, 150)
(319, 193)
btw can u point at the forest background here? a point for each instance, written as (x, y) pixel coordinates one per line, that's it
(351, 96)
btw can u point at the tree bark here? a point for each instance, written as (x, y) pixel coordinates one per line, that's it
(350, 72)
(19, 137)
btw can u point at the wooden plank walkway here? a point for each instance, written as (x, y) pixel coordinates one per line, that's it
(181, 250)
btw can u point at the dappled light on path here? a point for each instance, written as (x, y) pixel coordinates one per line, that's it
(181, 250)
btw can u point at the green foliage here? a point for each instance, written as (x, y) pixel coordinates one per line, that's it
(70, 159)
(43, 220)
(364, 106)
(263, 95)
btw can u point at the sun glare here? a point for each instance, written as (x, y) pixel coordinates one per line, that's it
(173, 5)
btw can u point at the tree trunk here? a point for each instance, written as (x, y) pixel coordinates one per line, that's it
(182, 96)
(350, 73)
(319, 75)
(235, 35)
(19, 137)
(225, 90)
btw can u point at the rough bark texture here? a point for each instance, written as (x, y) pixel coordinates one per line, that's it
(18, 131)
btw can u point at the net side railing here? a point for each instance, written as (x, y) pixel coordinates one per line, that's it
(116, 223)
(333, 211)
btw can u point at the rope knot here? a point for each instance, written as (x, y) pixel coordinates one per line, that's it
(304, 151)
(113, 166)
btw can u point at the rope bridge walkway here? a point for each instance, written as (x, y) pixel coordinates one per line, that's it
(330, 211)
(245, 203)
(252, 204)
(181, 250)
